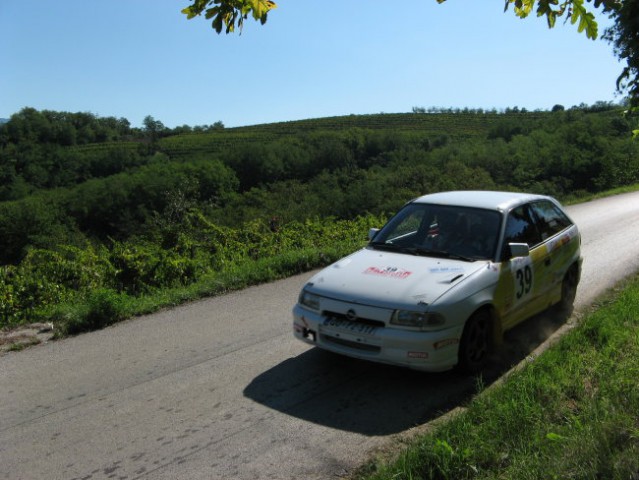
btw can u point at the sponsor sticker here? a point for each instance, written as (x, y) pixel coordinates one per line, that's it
(560, 242)
(446, 270)
(388, 272)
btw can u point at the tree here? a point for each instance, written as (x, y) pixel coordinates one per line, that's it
(152, 127)
(624, 35)
(575, 10)
(229, 14)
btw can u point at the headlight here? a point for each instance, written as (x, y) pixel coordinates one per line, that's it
(421, 320)
(309, 300)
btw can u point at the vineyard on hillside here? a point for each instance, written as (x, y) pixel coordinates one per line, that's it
(453, 125)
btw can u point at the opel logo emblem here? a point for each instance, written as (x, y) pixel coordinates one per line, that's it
(351, 315)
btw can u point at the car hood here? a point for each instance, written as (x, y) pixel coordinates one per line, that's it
(388, 279)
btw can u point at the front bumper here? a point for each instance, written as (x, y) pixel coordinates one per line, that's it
(432, 351)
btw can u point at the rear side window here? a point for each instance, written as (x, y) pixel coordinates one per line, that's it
(550, 219)
(520, 228)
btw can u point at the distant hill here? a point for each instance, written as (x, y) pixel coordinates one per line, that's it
(457, 125)
(3, 120)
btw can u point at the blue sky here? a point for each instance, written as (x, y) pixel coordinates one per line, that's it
(133, 58)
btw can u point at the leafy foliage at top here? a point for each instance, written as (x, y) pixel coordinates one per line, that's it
(229, 14)
(575, 10)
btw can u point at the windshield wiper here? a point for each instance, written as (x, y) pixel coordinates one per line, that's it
(437, 253)
(420, 251)
(397, 248)
(385, 246)
(454, 256)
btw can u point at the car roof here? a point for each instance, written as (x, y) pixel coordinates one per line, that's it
(502, 201)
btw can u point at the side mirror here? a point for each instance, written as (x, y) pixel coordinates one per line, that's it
(372, 232)
(519, 250)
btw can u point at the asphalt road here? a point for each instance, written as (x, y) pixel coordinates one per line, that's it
(220, 389)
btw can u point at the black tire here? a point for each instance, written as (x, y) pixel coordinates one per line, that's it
(476, 343)
(568, 291)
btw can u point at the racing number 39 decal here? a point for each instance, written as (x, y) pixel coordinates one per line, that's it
(523, 276)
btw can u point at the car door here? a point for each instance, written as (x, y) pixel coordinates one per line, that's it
(558, 236)
(522, 278)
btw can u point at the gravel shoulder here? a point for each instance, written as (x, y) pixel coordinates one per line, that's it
(24, 336)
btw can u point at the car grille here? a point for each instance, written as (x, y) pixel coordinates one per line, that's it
(365, 321)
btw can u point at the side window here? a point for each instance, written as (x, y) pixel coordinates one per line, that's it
(409, 224)
(551, 220)
(520, 228)
(404, 225)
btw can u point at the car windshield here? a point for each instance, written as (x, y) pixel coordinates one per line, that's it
(464, 233)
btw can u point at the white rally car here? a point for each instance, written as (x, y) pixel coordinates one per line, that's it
(438, 285)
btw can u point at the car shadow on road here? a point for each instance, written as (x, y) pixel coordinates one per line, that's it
(373, 399)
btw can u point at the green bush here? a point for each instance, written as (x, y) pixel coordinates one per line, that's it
(102, 307)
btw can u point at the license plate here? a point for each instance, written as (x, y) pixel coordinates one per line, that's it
(345, 326)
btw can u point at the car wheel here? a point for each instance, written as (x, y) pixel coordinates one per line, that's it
(568, 291)
(476, 343)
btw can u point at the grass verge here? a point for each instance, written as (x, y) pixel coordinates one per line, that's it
(572, 413)
(587, 197)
